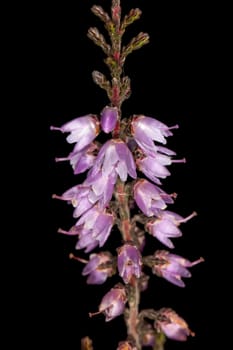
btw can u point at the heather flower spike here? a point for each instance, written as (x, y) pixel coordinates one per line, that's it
(122, 191)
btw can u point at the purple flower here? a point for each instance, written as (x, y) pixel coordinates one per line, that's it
(94, 228)
(83, 131)
(113, 303)
(129, 262)
(154, 165)
(150, 198)
(78, 196)
(145, 130)
(115, 158)
(97, 273)
(81, 160)
(172, 325)
(100, 193)
(84, 196)
(153, 168)
(109, 117)
(172, 267)
(166, 226)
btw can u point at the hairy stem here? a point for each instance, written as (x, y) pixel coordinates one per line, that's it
(121, 194)
(125, 229)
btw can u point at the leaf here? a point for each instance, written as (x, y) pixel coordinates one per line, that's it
(99, 40)
(136, 43)
(99, 12)
(101, 80)
(133, 15)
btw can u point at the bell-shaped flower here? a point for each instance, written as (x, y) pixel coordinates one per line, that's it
(146, 130)
(83, 130)
(109, 118)
(150, 198)
(113, 303)
(165, 226)
(172, 267)
(172, 325)
(94, 228)
(115, 157)
(129, 262)
(81, 160)
(99, 268)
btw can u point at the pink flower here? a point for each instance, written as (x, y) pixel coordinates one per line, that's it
(129, 262)
(145, 130)
(96, 273)
(172, 325)
(109, 117)
(166, 226)
(115, 158)
(172, 267)
(81, 160)
(113, 303)
(93, 228)
(150, 198)
(83, 131)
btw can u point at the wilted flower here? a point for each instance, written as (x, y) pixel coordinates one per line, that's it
(97, 273)
(125, 345)
(83, 130)
(172, 325)
(150, 198)
(166, 225)
(109, 117)
(172, 267)
(113, 303)
(129, 262)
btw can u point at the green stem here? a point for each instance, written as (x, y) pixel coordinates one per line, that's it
(160, 341)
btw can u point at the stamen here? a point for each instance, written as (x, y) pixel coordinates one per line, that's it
(201, 259)
(60, 230)
(91, 314)
(183, 160)
(54, 128)
(173, 127)
(72, 256)
(61, 159)
(55, 196)
(188, 217)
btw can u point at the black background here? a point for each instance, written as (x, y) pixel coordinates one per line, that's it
(172, 80)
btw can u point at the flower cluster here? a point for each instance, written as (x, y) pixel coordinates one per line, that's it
(125, 173)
